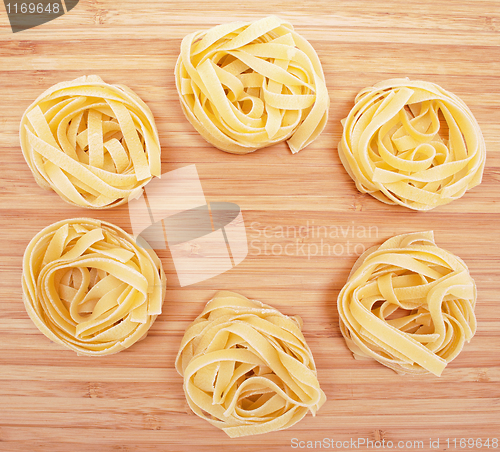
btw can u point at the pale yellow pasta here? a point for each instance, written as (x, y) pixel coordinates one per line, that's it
(89, 286)
(412, 143)
(245, 86)
(247, 368)
(409, 305)
(94, 144)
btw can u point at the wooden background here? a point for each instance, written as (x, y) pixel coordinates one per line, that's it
(52, 400)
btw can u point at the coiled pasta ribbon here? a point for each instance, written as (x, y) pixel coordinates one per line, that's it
(409, 305)
(94, 144)
(245, 86)
(396, 147)
(247, 368)
(88, 286)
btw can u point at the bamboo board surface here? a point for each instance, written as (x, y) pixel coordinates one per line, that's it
(53, 400)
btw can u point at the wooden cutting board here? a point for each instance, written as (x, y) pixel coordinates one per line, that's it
(52, 400)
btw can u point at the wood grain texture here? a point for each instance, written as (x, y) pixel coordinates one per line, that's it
(52, 400)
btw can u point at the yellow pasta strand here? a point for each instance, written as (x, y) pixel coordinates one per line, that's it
(88, 286)
(247, 368)
(245, 86)
(93, 143)
(409, 305)
(412, 143)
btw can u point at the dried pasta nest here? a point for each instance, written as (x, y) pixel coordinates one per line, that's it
(409, 305)
(89, 286)
(412, 143)
(94, 144)
(245, 86)
(247, 368)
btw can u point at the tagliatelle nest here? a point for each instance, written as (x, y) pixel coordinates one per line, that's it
(88, 286)
(247, 368)
(245, 86)
(94, 144)
(409, 305)
(394, 146)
